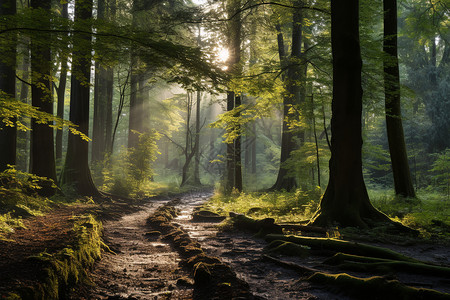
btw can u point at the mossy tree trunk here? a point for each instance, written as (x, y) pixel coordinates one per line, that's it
(346, 201)
(397, 146)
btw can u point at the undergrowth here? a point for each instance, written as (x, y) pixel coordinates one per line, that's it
(429, 212)
(62, 270)
(282, 206)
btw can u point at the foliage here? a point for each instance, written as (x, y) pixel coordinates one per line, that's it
(429, 213)
(140, 159)
(67, 267)
(282, 206)
(129, 172)
(441, 168)
(12, 113)
(20, 188)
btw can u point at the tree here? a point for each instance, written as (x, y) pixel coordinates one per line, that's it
(61, 90)
(8, 133)
(76, 168)
(346, 201)
(197, 140)
(233, 159)
(103, 90)
(292, 99)
(394, 126)
(42, 144)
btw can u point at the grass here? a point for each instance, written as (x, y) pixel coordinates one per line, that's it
(282, 206)
(429, 213)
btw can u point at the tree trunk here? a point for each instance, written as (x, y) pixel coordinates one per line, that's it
(293, 98)
(42, 143)
(23, 137)
(397, 147)
(346, 201)
(237, 151)
(76, 169)
(8, 85)
(108, 110)
(230, 173)
(61, 91)
(135, 109)
(188, 153)
(234, 42)
(197, 141)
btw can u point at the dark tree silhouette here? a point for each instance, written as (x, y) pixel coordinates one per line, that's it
(76, 169)
(8, 86)
(42, 159)
(397, 147)
(346, 201)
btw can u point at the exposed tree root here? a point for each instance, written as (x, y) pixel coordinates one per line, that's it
(306, 271)
(262, 227)
(288, 248)
(370, 264)
(375, 287)
(342, 246)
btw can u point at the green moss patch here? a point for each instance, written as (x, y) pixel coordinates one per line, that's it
(375, 287)
(62, 270)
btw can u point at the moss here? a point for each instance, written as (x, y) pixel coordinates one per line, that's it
(288, 248)
(67, 267)
(375, 287)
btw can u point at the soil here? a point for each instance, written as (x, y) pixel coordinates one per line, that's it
(146, 266)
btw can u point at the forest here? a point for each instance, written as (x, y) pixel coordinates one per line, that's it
(235, 149)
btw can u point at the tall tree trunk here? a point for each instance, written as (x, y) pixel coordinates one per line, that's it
(102, 97)
(397, 146)
(293, 98)
(42, 144)
(135, 109)
(188, 153)
(108, 110)
(230, 163)
(234, 42)
(76, 169)
(237, 150)
(61, 91)
(346, 201)
(8, 85)
(23, 137)
(197, 141)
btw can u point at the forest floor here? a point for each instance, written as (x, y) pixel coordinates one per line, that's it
(144, 265)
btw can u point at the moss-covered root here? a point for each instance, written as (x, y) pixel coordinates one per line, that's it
(376, 287)
(383, 266)
(64, 269)
(287, 248)
(261, 227)
(342, 246)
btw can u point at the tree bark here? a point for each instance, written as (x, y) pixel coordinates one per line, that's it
(60, 92)
(397, 146)
(8, 85)
(76, 169)
(42, 144)
(234, 42)
(292, 99)
(197, 141)
(346, 201)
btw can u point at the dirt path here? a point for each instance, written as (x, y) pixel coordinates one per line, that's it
(146, 267)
